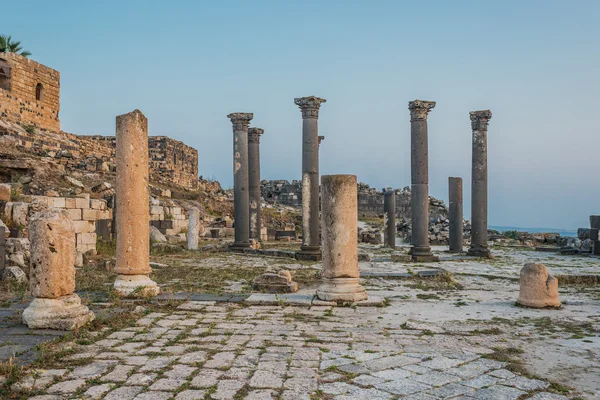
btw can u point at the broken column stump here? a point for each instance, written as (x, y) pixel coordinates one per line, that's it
(538, 288)
(52, 274)
(193, 222)
(275, 283)
(340, 276)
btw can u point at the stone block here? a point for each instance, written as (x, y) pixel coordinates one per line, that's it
(583, 233)
(89, 215)
(82, 202)
(5, 190)
(59, 202)
(538, 288)
(275, 283)
(103, 214)
(98, 204)
(176, 210)
(74, 213)
(84, 226)
(401, 257)
(70, 202)
(157, 210)
(86, 239)
(62, 313)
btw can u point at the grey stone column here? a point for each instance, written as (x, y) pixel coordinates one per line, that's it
(2, 250)
(254, 181)
(193, 226)
(389, 218)
(594, 233)
(479, 185)
(340, 275)
(420, 250)
(311, 243)
(455, 214)
(241, 195)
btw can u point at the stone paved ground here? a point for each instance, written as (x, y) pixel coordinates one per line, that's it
(203, 350)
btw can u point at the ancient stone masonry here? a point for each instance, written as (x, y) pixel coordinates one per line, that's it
(52, 274)
(282, 192)
(241, 196)
(133, 236)
(455, 199)
(254, 181)
(340, 276)
(311, 242)
(173, 162)
(420, 249)
(29, 92)
(538, 288)
(479, 185)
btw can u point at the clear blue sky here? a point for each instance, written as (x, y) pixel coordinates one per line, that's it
(187, 64)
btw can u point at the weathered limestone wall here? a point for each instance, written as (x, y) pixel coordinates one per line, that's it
(18, 81)
(168, 220)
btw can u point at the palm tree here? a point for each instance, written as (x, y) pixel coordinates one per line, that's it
(8, 45)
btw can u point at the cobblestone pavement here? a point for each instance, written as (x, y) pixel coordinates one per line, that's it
(203, 350)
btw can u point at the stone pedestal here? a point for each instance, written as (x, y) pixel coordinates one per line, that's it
(479, 185)
(52, 274)
(340, 276)
(455, 214)
(132, 198)
(254, 182)
(193, 227)
(275, 283)
(311, 243)
(419, 163)
(389, 219)
(538, 288)
(241, 196)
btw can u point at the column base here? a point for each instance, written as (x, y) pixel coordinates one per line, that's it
(422, 254)
(239, 246)
(455, 251)
(64, 313)
(135, 286)
(481, 252)
(346, 290)
(309, 253)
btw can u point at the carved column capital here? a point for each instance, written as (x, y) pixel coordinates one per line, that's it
(480, 119)
(240, 121)
(254, 135)
(419, 109)
(309, 105)
(321, 138)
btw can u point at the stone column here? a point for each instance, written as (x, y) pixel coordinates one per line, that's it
(2, 248)
(455, 214)
(420, 250)
(479, 185)
(133, 209)
(52, 274)
(340, 276)
(595, 233)
(311, 244)
(193, 226)
(254, 181)
(389, 218)
(241, 196)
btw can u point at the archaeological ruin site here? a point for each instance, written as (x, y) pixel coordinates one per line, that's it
(125, 275)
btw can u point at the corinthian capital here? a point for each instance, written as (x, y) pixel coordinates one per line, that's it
(419, 109)
(480, 119)
(240, 121)
(309, 105)
(254, 134)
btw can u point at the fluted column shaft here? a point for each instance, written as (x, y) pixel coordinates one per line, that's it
(479, 185)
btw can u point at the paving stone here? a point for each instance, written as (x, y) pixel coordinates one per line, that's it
(38, 379)
(180, 371)
(402, 386)
(45, 397)
(220, 360)
(481, 381)
(193, 358)
(302, 372)
(118, 374)
(338, 388)
(520, 382)
(498, 392)
(436, 378)
(237, 373)
(371, 394)
(167, 384)
(390, 362)
(329, 377)
(191, 395)
(98, 391)
(292, 395)
(266, 379)
(441, 363)
(261, 395)
(548, 396)
(144, 379)
(135, 360)
(368, 380)
(418, 369)
(206, 378)
(450, 391)
(91, 371)
(153, 395)
(70, 386)
(226, 389)
(301, 384)
(157, 363)
(123, 393)
(274, 366)
(502, 374)
(392, 374)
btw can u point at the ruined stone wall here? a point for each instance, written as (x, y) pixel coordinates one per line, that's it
(370, 204)
(19, 92)
(172, 161)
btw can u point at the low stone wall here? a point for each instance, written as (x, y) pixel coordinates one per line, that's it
(168, 220)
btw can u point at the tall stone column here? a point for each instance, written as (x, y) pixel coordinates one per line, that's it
(133, 215)
(389, 218)
(2, 248)
(340, 276)
(595, 233)
(254, 181)
(455, 214)
(419, 162)
(193, 226)
(52, 274)
(311, 244)
(241, 195)
(479, 185)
